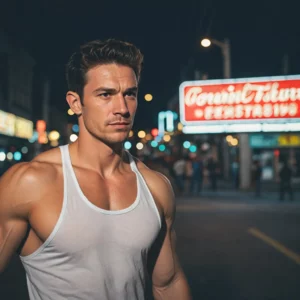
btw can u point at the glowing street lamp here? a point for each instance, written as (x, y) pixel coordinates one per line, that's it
(205, 43)
(225, 47)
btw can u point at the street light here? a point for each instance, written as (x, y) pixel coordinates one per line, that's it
(205, 43)
(225, 47)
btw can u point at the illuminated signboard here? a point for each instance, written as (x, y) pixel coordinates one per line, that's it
(15, 126)
(23, 128)
(7, 123)
(166, 121)
(274, 140)
(241, 105)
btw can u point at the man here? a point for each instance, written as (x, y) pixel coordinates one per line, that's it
(90, 221)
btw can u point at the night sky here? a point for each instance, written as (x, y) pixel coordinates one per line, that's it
(167, 32)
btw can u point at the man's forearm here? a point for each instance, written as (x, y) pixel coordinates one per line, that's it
(177, 289)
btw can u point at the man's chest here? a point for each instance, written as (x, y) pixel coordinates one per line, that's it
(82, 225)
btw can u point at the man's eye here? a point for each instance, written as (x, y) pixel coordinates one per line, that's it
(105, 95)
(131, 94)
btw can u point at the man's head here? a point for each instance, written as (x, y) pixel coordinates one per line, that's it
(103, 80)
(96, 53)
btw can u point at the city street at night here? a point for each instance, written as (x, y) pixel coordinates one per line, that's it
(98, 99)
(232, 246)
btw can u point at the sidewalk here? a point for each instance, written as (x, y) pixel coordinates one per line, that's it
(239, 196)
(225, 191)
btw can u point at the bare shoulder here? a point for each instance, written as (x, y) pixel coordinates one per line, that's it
(52, 156)
(160, 188)
(24, 183)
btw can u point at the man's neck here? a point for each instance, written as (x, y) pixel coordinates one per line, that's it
(97, 156)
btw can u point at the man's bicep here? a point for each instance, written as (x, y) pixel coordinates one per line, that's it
(12, 232)
(166, 264)
(13, 214)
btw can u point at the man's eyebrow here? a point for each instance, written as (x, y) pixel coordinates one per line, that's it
(113, 91)
(132, 89)
(104, 89)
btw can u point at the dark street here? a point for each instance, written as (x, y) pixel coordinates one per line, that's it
(240, 249)
(231, 247)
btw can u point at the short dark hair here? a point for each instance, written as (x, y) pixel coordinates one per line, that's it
(99, 52)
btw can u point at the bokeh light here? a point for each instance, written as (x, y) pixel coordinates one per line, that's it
(130, 133)
(229, 138)
(127, 145)
(148, 137)
(154, 132)
(17, 155)
(73, 137)
(179, 126)
(141, 134)
(167, 138)
(9, 156)
(2, 156)
(186, 144)
(75, 128)
(139, 146)
(70, 112)
(148, 97)
(24, 150)
(193, 148)
(53, 135)
(234, 142)
(162, 148)
(154, 144)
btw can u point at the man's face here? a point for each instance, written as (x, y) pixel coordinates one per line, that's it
(110, 102)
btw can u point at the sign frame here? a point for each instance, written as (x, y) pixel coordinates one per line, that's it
(224, 123)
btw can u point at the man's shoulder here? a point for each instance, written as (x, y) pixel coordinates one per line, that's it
(155, 177)
(26, 179)
(160, 187)
(43, 166)
(52, 156)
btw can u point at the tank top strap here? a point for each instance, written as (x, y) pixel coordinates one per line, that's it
(132, 163)
(65, 156)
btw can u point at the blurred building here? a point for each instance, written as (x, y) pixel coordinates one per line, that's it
(16, 104)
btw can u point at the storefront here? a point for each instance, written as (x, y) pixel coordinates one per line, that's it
(273, 149)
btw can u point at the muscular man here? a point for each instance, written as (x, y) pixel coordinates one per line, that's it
(91, 221)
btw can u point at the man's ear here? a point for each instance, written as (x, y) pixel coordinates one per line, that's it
(74, 102)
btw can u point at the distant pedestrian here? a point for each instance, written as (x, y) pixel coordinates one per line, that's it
(197, 176)
(179, 171)
(257, 172)
(212, 168)
(235, 173)
(188, 175)
(285, 176)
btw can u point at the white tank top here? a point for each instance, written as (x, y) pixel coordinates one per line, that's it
(92, 253)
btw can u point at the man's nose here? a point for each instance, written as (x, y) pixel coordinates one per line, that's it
(120, 105)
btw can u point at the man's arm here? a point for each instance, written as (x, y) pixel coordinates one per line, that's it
(14, 211)
(169, 281)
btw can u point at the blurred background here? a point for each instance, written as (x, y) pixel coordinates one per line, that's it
(236, 177)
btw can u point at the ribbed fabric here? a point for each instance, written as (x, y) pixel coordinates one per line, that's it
(92, 253)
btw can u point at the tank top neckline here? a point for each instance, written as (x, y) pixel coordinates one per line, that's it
(68, 164)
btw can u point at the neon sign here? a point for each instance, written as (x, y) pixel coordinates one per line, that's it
(248, 101)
